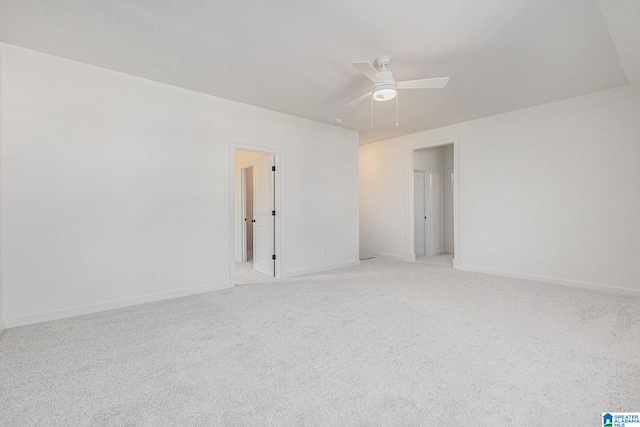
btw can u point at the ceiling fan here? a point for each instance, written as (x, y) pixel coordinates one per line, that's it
(385, 86)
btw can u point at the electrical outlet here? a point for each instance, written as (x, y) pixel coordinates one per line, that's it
(153, 274)
(494, 255)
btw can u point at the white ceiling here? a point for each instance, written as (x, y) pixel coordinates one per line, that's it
(294, 56)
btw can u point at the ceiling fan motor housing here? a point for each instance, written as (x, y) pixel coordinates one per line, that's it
(386, 90)
(383, 61)
(385, 86)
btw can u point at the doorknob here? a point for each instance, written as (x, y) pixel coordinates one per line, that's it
(253, 220)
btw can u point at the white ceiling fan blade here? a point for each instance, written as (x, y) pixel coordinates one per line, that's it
(359, 100)
(368, 70)
(435, 83)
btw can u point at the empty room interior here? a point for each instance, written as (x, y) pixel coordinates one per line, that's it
(319, 213)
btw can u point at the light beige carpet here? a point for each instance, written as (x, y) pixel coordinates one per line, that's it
(383, 343)
(245, 274)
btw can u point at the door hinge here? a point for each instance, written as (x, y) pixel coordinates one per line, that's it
(273, 257)
(273, 168)
(273, 213)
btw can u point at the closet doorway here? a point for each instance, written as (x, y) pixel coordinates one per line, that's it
(256, 239)
(433, 177)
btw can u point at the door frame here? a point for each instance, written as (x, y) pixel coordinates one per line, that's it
(409, 168)
(278, 155)
(452, 178)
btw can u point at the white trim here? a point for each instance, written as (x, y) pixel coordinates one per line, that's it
(321, 269)
(95, 308)
(409, 168)
(457, 249)
(552, 280)
(409, 257)
(428, 211)
(278, 154)
(2, 323)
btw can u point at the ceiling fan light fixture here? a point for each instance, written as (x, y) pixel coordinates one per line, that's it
(385, 92)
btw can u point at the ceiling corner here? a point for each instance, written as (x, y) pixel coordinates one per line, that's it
(622, 18)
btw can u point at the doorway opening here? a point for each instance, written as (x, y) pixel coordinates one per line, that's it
(256, 230)
(433, 232)
(247, 208)
(433, 196)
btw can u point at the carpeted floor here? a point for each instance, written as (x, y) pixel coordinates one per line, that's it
(445, 259)
(245, 274)
(383, 343)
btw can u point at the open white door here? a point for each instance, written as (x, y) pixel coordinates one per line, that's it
(435, 223)
(263, 214)
(419, 214)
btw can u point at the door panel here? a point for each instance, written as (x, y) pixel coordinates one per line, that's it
(419, 212)
(263, 228)
(435, 215)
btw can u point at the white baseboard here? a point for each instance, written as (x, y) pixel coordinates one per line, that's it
(406, 258)
(321, 269)
(1, 328)
(436, 253)
(95, 308)
(552, 280)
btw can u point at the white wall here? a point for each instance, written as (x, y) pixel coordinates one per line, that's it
(430, 159)
(552, 189)
(108, 175)
(1, 198)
